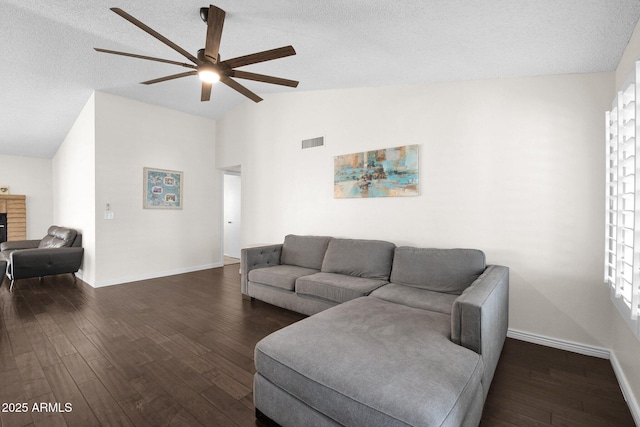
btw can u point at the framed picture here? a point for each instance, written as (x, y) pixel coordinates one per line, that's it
(162, 189)
(390, 172)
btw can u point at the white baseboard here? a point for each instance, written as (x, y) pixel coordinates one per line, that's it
(154, 275)
(88, 282)
(587, 350)
(632, 402)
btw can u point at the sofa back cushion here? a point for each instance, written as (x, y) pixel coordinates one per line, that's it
(304, 251)
(362, 258)
(441, 270)
(58, 237)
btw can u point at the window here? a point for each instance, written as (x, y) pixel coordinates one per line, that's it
(622, 235)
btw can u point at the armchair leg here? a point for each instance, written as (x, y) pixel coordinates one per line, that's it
(11, 287)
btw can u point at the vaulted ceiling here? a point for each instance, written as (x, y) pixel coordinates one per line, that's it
(49, 69)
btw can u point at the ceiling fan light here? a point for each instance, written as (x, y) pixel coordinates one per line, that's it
(208, 76)
(204, 14)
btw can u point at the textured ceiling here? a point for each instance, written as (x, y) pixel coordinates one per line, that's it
(49, 69)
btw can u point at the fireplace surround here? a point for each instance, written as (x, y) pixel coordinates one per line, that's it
(15, 209)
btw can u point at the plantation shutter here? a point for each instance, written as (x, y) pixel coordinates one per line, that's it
(622, 228)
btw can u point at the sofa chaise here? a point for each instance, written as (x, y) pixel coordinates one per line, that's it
(59, 252)
(398, 336)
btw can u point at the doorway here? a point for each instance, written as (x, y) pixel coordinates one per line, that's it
(232, 216)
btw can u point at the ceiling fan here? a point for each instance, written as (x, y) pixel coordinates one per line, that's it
(207, 64)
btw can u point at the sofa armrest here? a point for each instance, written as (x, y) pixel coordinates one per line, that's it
(19, 244)
(480, 317)
(257, 257)
(28, 263)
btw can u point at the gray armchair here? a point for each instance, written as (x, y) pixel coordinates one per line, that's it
(59, 252)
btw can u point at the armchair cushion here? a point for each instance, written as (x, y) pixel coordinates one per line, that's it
(19, 244)
(58, 237)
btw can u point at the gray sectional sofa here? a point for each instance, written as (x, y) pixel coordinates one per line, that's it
(398, 336)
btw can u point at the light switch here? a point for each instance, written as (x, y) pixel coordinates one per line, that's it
(108, 214)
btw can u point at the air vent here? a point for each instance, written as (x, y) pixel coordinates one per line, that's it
(313, 142)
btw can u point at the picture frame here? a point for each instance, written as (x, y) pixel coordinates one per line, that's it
(162, 189)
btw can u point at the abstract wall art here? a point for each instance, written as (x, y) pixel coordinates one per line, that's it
(390, 172)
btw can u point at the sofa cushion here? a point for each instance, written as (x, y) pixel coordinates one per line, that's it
(336, 287)
(416, 297)
(440, 270)
(279, 276)
(58, 237)
(304, 251)
(362, 258)
(403, 369)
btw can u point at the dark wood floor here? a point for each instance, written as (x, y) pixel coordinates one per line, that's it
(179, 351)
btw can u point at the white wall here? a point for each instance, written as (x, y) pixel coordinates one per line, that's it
(625, 349)
(30, 177)
(74, 185)
(513, 167)
(141, 243)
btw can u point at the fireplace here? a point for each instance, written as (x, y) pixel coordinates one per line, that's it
(3, 227)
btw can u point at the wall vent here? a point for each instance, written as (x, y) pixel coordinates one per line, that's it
(313, 142)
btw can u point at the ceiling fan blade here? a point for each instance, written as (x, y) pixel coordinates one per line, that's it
(206, 91)
(156, 34)
(254, 58)
(174, 76)
(215, 22)
(133, 55)
(238, 87)
(262, 78)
